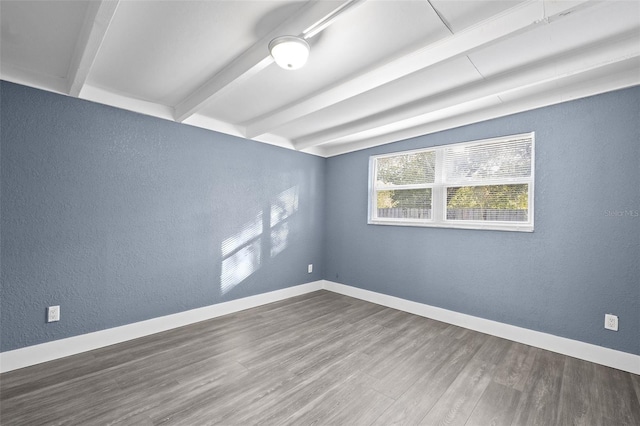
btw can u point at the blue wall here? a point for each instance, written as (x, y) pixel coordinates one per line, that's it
(582, 261)
(119, 217)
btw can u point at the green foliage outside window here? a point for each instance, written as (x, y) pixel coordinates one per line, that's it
(502, 197)
(408, 169)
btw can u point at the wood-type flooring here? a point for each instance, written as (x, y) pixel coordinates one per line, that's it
(321, 359)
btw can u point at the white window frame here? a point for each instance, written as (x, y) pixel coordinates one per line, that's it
(439, 190)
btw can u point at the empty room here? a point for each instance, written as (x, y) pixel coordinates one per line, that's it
(328, 212)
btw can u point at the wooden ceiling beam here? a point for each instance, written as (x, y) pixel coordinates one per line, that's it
(94, 30)
(615, 49)
(312, 18)
(507, 24)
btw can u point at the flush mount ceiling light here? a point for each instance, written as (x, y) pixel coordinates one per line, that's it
(289, 52)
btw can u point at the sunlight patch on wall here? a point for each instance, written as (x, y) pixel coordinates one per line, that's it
(279, 239)
(249, 231)
(282, 207)
(241, 254)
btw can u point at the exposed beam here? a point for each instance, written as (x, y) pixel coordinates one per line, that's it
(211, 123)
(320, 25)
(616, 76)
(585, 59)
(94, 30)
(307, 22)
(508, 23)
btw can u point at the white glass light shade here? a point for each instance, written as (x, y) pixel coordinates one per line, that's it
(289, 52)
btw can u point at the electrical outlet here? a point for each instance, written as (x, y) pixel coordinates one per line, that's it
(53, 313)
(611, 322)
(310, 268)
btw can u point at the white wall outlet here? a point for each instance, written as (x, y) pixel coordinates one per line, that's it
(53, 313)
(310, 268)
(611, 322)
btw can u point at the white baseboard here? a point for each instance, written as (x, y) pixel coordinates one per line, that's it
(36, 354)
(573, 348)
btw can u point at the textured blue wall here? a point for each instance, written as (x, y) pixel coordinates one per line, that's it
(119, 217)
(582, 261)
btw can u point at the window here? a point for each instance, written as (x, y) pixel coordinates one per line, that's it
(484, 184)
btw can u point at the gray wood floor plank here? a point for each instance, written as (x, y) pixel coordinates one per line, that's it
(576, 402)
(514, 370)
(53, 404)
(136, 420)
(18, 382)
(211, 403)
(496, 407)
(402, 372)
(154, 373)
(278, 344)
(447, 359)
(340, 408)
(404, 351)
(413, 330)
(457, 332)
(539, 401)
(613, 392)
(152, 399)
(457, 403)
(318, 358)
(310, 386)
(635, 379)
(390, 318)
(401, 347)
(493, 350)
(360, 310)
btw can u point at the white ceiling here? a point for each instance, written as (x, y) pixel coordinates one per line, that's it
(379, 70)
